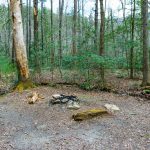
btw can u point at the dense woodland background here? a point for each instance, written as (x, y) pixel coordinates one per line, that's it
(71, 47)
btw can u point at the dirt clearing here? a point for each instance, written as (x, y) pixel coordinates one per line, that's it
(42, 126)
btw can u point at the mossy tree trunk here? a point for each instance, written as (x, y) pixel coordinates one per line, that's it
(19, 44)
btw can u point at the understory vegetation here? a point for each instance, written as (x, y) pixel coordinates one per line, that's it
(67, 47)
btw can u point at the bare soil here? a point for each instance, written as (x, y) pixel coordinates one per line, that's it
(42, 126)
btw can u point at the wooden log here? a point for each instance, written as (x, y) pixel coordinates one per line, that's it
(89, 114)
(34, 97)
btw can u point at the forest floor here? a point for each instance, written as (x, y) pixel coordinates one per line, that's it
(42, 126)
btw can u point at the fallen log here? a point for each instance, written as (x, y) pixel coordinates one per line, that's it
(89, 114)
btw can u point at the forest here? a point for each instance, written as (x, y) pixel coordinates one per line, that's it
(88, 59)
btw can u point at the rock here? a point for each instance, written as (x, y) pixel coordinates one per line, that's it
(73, 105)
(55, 101)
(89, 114)
(65, 100)
(111, 107)
(56, 96)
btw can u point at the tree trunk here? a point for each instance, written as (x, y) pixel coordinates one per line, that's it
(83, 18)
(36, 40)
(66, 24)
(132, 39)
(146, 79)
(52, 38)
(27, 27)
(29, 30)
(96, 25)
(102, 30)
(20, 48)
(61, 7)
(42, 31)
(74, 46)
(112, 30)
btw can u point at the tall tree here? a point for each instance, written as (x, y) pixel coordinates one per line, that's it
(52, 38)
(27, 27)
(82, 17)
(102, 30)
(132, 38)
(36, 39)
(29, 19)
(61, 7)
(96, 25)
(74, 45)
(66, 24)
(20, 47)
(112, 31)
(42, 30)
(146, 76)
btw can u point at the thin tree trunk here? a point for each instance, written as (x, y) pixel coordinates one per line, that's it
(112, 30)
(96, 26)
(132, 39)
(66, 23)
(79, 25)
(42, 32)
(61, 7)
(102, 30)
(74, 46)
(27, 27)
(52, 38)
(82, 18)
(146, 79)
(36, 40)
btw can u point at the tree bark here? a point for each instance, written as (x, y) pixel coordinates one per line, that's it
(96, 25)
(132, 39)
(52, 38)
(146, 78)
(102, 30)
(20, 47)
(74, 46)
(112, 30)
(36, 40)
(42, 30)
(61, 7)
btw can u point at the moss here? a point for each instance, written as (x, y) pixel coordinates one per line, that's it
(89, 114)
(23, 85)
